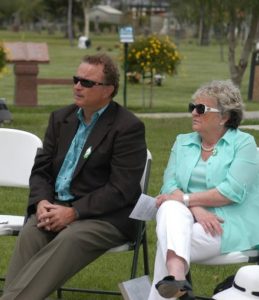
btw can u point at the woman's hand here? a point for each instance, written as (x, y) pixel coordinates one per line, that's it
(209, 221)
(175, 195)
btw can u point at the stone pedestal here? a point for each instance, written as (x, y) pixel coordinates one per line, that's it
(26, 83)
(26, 57)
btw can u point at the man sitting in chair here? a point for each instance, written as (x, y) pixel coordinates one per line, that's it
(83, 185)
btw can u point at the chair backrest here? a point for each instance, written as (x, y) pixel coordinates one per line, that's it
(145, 177)
(141, 224)
(17, 152)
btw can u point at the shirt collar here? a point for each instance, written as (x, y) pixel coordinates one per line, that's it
(227, 137)
(96, 115)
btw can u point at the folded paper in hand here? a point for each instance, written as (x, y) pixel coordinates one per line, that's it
(145, 209)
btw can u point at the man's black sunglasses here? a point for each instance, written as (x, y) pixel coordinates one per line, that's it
(86, 82)
(201, 108)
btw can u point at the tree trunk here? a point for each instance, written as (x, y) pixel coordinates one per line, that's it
(151, 89)
(86, 11)
(69, 22)
(201, 24)
(237, 70)
(204, 27)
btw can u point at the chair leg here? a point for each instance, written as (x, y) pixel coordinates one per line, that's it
(141, 240)
(59, 293)
(3, 280)
(135, 262)
(145, 254)
(189, 277)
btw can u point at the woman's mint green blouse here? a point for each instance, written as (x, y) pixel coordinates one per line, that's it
(234, 171)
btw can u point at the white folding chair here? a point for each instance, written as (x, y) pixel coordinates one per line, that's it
(238, 257)
(141, 240)
(17, 152)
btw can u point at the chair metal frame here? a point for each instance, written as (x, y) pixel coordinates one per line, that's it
(141, 240)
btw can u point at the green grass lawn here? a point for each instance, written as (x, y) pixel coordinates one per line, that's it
(104, 273)
(199, 65)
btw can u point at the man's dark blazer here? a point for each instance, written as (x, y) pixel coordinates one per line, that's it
(106, 184)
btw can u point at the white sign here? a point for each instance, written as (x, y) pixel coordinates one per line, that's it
(126, 34)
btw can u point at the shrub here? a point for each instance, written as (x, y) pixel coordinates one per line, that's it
(3, 59)
(153, 54)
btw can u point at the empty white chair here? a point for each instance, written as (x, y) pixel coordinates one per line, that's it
(17, 152)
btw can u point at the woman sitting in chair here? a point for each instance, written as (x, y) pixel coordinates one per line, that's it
(209, 199)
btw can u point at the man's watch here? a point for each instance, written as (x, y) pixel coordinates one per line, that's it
(186, 200)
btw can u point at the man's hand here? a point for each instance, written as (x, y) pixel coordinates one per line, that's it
(52, 217)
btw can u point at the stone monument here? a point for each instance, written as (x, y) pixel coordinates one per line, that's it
(26, 57)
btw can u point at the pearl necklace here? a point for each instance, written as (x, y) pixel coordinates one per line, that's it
(207, 149)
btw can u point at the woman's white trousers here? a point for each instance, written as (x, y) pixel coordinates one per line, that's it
(177, 231)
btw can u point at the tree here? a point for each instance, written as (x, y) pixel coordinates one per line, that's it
(86, 10)
(7, 9)
(153, 55)
(30, 11)
(247, 11)
(21, 12)
(87, 4)
(228, 14)
(69, 21)
(205, 9)
(196, 12)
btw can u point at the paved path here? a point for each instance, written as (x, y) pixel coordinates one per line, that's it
(254, 127)
(248, 115)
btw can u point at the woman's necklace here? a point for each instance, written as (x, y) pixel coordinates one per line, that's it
(211, 149)
(207, 149)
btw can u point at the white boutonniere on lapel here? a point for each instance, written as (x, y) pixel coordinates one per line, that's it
(88, 152)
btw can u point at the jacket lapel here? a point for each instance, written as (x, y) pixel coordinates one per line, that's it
(68, 131)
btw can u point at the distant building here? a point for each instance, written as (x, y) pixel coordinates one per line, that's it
(105, 14)
(146, 16)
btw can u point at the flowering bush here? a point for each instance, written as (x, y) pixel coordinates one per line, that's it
(153, 54)
(3, 59)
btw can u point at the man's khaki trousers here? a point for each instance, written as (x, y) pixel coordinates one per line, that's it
(43, 261)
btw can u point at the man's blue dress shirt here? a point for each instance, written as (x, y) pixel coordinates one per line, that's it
(63, 181)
